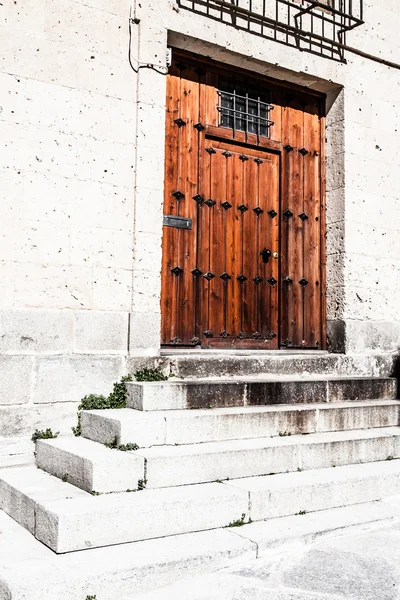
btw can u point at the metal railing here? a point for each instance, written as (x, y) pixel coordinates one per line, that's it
(316, 26)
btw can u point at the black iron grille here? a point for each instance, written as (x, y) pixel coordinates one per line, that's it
(246, 111)
(316, 26)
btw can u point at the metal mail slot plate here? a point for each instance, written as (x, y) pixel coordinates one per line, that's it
(179, 222)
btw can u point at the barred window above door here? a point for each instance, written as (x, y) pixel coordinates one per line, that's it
(244, 109)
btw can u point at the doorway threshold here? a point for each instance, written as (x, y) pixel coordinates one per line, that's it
(236, 352)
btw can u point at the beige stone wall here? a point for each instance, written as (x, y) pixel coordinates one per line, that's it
(67, 163)
(81, 186)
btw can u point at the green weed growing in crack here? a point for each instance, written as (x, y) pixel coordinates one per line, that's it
(113, 445)
(116, 399)
(128, 447)
(150, 375)
(301, 512)
(390, 457)
(284, 434)
(142, 484)
(238, 522)
(122, 447)
(46, 434)
(91, 597)
(64, 478)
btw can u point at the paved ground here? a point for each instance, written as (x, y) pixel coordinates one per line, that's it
(362, 565)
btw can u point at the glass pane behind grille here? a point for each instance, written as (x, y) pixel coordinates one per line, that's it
(244, 109)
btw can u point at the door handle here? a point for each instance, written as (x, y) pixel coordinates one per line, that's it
(265, 254)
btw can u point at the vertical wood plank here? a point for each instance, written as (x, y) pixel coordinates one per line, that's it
(312, 201)
(323, 228)
(250, 250)
(169, 241)
(217, 244)
(292, 225)
(272, 267)
(208, 95)
(187, 238)
(234, 249)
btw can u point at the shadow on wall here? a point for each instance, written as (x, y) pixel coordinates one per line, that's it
(315, 26)
(396, 372)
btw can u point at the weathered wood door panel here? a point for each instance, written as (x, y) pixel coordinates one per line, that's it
(238, 285)
(301, 262)
(244, 268)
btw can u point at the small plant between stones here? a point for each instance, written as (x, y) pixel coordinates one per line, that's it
(122, 447)
(117, 399)
(46, 434)
(239, 522)
(150, 375)
(91, 597)
(142, 484)
(301, 512)
(284, 434)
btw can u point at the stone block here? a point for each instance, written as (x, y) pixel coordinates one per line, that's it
(149, 166)
(344, 448)
(15, 451)
(172, 427)
(126, 425)
(31, 331)
(193, 365)
(68, 379)
(188, 427)
(101, 247)
(149, 210)
(178, 395)
(105, 161)
(23, 489)
(69, 525)
(273, 533)
(146, 287)
(111, 571)
(362, 389)
(360, 415)
(100, 332)
(49, 286)
(90, 466)
(144, 332)
(21, 421)
(112, 289)
(288, 494)
(286, 392)
(380, 336)
(199, 463)
(16, 374)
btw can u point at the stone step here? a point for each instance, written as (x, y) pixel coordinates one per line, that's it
(221, 424)
(116, 571)
(191, 364)
(218, 393)
(85, 521)
(30, 570)
(78, 523)
(167, 466)
(90, 466)
(23, 489)
(216, 461)
(321, 489)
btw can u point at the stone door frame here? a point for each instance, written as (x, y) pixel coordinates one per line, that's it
(153, 44)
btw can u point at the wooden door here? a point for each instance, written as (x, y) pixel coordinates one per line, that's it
(238, 236)
(243, 252)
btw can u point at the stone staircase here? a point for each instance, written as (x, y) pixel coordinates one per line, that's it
(212, 453)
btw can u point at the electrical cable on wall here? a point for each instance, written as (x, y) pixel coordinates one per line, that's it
(157, 69)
